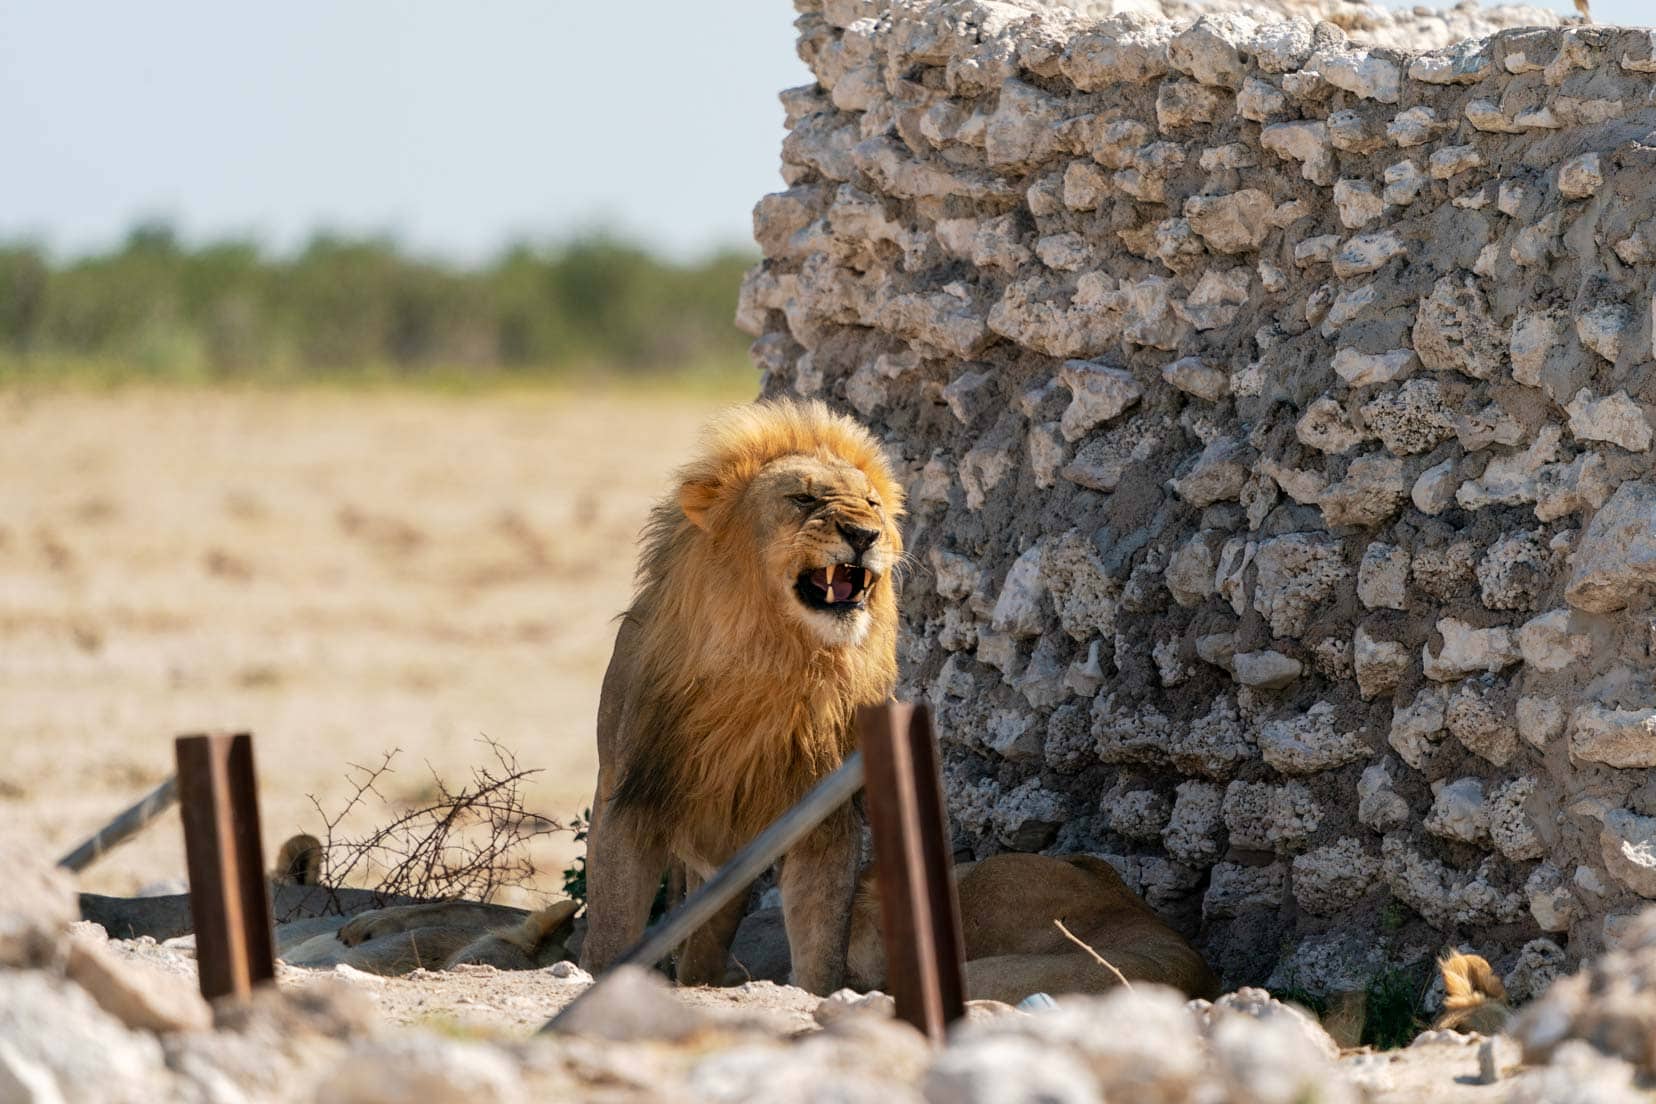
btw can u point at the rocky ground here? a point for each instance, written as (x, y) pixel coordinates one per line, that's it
(86, 1018)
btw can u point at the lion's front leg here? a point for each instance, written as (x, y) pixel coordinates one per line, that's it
(624, 866)
(819, 879)
(705, 954)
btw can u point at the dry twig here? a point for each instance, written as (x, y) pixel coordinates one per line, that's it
(1098, 958)
(470, 842)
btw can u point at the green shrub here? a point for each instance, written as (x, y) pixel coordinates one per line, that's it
(362, 307)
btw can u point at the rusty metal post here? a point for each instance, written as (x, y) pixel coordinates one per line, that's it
(920, 916)
(229, 897)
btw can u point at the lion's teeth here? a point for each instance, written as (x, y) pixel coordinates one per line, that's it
(830, 570)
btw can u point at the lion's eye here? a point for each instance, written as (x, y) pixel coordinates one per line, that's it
(803, 499)
(874, 502)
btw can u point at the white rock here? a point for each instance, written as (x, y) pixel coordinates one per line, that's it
(1192, 376)
(1379, 664)
(1547, 643)
(1008, 1068)
(1534, 334)
(1551, 902)
(1379, 806)
(1367, 253)
(1371, 492)
(1615, 737)
(1414, 127)
(1305, 142)
(1382, 577)
(968, 395)
(1219, 474)
(56, 1045)
(954, 576)
(1358, 203)
(1417, 728)
(1540, 719)
(1367, 369)
(1297, 573)
(1266, 670)
(1458, 812)
(139, 994)
(1580, 177)
(1616, 559)
(1627, 844)
(1234, 223)
(422, 1067)
(1098, 392)
(1467, 650)
(1601, 329)
(1324, 426)
(1615, 418)
(1403, 182)
(1451, 161)
(1259, 100)
(1310, 742)
(1435, 489)
(1017, 610)
(1360, 73)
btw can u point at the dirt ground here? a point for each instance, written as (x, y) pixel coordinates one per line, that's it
(340, 573)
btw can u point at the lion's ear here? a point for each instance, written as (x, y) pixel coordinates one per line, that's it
(695, 499)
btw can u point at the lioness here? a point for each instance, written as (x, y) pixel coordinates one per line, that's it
(1008, 903)
(1474, 1000)
(436, 935)
(765, 614)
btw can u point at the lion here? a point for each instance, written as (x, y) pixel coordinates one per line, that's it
(1008, 903)
(435, 935)
(1474, 1000)
(765, 614)
(298, 861)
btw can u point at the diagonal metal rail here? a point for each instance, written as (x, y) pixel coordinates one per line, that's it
(129, 823)
(736, 875)
(920, 916)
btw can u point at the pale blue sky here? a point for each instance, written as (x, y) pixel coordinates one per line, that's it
(451, 125)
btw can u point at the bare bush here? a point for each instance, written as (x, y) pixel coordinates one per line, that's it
(466, 843)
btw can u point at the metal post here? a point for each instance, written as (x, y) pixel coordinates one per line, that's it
(229, 898)
(920, 916)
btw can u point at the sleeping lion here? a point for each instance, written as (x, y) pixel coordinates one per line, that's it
(1008, 903)
(765, 615)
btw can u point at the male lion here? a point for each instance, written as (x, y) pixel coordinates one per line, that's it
(765, 614)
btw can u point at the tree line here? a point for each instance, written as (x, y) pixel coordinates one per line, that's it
(363, 305)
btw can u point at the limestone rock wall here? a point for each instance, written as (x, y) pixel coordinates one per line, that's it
(1276, 410)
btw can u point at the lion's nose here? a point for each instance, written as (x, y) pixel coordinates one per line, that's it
(859, 538)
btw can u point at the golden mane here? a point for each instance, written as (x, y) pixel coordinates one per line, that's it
(744, 709)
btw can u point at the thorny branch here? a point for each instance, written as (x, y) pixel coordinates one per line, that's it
(467, 843)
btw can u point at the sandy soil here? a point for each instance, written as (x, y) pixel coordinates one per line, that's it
(340, 573)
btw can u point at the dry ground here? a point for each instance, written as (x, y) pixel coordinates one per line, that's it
(341, 573)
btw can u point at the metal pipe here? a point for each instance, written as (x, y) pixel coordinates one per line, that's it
(737, 874)
(124, 826)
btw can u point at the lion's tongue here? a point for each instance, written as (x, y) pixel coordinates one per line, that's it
(837, 591)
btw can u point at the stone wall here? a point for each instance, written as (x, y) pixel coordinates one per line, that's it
(1275, 409)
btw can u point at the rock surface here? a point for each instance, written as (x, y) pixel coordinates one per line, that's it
(1273, 412)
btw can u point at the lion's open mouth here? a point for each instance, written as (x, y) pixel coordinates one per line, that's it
(841, 588)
